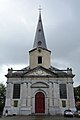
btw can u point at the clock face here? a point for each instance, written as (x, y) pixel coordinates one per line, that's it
(39, 50)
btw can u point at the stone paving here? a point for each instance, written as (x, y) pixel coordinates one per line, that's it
(37, 117)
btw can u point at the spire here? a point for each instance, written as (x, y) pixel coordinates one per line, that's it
(39, 40)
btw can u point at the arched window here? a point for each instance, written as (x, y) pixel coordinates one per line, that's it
(16, 91)
(63, 91)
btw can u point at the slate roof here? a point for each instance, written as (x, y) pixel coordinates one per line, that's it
(52, 70)
(39, 40)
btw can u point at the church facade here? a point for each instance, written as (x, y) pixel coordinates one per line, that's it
(39, 88)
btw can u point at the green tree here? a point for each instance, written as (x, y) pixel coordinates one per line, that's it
(2, 96)
(77, 97)
(77, 92)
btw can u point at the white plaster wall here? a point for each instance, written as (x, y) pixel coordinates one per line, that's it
(34, 58)
(27, 100)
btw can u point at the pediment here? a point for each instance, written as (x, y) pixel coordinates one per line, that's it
(39, 72)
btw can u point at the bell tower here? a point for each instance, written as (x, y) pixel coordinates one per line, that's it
(39, 55)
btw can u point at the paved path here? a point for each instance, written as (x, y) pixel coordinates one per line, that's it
(37, 117)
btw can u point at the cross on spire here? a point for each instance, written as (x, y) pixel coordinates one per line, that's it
(39, 40)
(40, 9)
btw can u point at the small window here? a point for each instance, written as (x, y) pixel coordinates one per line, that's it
(16, 103)
(39, 50)
(39, 30)
(39, 60)
(63, 103)
(39, 20)
(39, 43)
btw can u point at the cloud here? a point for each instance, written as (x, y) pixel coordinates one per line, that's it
(61, 20)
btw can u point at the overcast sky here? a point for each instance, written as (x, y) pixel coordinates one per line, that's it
(61, 22)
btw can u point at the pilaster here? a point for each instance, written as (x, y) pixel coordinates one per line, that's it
(9, 99)
(56, 98)
(50, 94)
(71, 96)
(29, 94)
(23, 94)
(56, 93)
(9, 95)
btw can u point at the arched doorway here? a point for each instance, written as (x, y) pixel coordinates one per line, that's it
(39, 103)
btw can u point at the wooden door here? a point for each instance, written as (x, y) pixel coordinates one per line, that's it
(39, 103)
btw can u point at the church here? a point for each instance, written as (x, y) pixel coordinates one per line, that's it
(39, 88)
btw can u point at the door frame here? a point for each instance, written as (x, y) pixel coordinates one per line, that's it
(46, 100)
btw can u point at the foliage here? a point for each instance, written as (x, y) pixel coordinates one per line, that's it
(77, 97)
(77, 92)
(2, 96)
